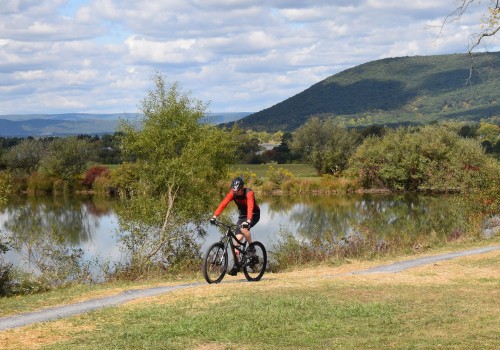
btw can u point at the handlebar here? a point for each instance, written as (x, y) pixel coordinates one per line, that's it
(224, 224)
(231, 228)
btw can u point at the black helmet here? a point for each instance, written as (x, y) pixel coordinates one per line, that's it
(237, 184)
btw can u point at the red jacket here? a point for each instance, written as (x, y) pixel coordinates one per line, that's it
(246, 203)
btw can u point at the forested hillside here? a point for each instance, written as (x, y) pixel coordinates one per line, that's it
(404, 90)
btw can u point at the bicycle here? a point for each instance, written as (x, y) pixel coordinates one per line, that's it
(216, 257)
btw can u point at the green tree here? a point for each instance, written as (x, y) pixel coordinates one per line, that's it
(108, 149)
(432, 157)
(178, 162)
(67, 158)
(326, 144)
(26, 155)
(247, 147)
(489, 132)
(281, 154)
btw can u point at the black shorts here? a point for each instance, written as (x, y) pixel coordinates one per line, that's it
(243, 218)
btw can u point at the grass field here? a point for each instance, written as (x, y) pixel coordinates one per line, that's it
(298, 170)
(447, 305)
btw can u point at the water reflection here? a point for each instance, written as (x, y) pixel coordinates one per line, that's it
(90, 224)
(334, 217)
(45, 231)
(76, 217)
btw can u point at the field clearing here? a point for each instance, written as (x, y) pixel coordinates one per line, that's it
(298, 170)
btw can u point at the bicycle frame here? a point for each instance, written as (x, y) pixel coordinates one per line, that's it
(228, 239)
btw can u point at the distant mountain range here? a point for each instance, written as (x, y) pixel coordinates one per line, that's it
(44, 125)
(395, 91)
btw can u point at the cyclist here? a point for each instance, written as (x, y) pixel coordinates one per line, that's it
(249, 214)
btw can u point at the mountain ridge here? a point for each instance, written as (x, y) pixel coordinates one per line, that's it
(399, 90)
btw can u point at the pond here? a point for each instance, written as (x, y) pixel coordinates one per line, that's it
(91, 224)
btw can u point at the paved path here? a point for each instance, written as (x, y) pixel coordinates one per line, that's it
(409, 264)
(94, 304)
(57, 312)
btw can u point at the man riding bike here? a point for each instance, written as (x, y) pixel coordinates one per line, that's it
(249, 213)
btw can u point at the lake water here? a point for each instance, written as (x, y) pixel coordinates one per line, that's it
(92, 224)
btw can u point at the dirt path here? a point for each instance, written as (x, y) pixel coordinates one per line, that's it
(54, 313)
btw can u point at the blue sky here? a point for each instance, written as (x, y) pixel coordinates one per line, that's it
(99, 56)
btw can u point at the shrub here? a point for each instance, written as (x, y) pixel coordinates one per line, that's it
(5, 185)
(124, 179)
(293, 186)
(326, 144)
(22, 283)
(5, 279)
(5, 272)
(93, 173)
(338, 184)
(429, 158)
(64, 187)
(103, 185)
(19, 182)
(277, 176)
(39, 184)
(250, 178)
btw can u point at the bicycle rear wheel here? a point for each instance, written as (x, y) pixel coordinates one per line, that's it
(255, 266)
(215, 263)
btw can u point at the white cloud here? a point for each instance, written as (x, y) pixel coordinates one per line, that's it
(242, 55)
(182, 51)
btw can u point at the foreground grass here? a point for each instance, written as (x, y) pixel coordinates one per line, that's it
(451, 304)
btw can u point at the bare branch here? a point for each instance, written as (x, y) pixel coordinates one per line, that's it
(481, 36)
(171, 196)
(476, 39)
(457, 14)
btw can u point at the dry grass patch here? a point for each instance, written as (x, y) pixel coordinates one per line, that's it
(213, 346)
(38, 336)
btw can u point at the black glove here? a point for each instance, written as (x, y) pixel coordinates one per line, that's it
(213, 220)
(245, 224)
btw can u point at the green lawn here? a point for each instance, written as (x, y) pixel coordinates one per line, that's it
(298, 170)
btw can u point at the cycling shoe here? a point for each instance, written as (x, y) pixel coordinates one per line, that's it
(234, 271)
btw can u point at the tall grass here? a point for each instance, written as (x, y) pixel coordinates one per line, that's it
(260, 170)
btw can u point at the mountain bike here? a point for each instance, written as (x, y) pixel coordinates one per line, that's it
(215, 262)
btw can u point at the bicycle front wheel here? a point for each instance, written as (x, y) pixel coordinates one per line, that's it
(215, 263)
(255, 266)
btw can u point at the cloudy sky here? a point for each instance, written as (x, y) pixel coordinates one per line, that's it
(99, 56)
